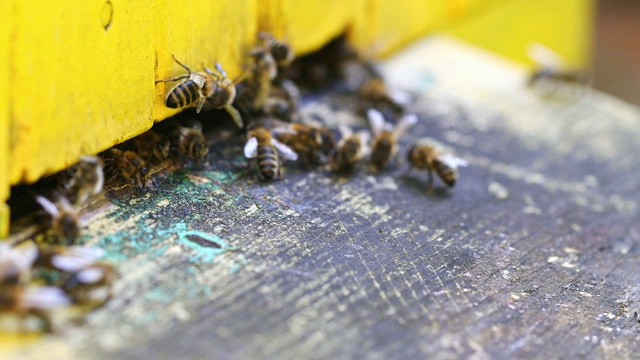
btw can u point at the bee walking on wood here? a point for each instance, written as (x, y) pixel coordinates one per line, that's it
(253, 92)
(84, 179)
(384, 145)
(268, 153)
(189, 91)
(281, 52)
(190, 143)
(552, 72)
(427, 154)
(313, 143)
(65, 220)
(221, 92)
(36, 301)
(131, 167)
(197, 88)
(154, 147)
(91, 285)
(352, 148)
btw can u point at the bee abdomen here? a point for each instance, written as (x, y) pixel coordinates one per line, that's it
(267, 161)
(447, 174)
(183, 95)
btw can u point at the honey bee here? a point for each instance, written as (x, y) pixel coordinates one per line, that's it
(283, 100)
(191, 143)
(128, 165)
(384, 145)
(313, 143)
(65, 220)
(427, 154)
(36, 301)
(222, 92)
(67, 259)
(86, 178)
(150, 145)
(253, 92)
(91, 285)
(374, 94)
(268, 152)
(281, 52)
(352, 148)
(551, 70)
(16, 262)
(200, 88)
(192, 89)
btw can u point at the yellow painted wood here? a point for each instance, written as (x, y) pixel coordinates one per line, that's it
(77, 88)
(307, 25)
(5, 35)
(510, 26)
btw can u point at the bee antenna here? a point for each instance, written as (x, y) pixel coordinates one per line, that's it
(154, 184)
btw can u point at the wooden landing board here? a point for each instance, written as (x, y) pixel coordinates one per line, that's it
(534, 254)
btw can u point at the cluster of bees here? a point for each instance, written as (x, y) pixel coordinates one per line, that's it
(37, 277)
(264, 100)
(40, 278)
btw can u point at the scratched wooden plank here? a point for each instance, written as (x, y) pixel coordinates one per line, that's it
(534, 254)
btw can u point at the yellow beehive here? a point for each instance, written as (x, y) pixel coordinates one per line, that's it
(79, 78)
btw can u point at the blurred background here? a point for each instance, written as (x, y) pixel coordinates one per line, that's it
(616, 61)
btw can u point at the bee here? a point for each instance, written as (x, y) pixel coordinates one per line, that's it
(36, 301)
(283, 100)
(222, 92)
(351, 149)
(191, 143)
(551, 69)
(253, 92)
(374, 94)
(130, 166)
(91, 285)
(16, 262)
(427, 154)
(268, 152)
(313, 143)
(150, 145)
(192, 89)
(65, 220)
(281, 52)
(85, 179)
(200, 88)
(384, 145)
(68, 259)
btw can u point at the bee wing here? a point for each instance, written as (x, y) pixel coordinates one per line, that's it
(376, 120)
(251, 148)
(44, 298)
(286, 151)
(90, 275)
(544, 56)
(76, 258)
(48, 206)
(453, 161)
(345, 131)
(404, 124)
(400, 97)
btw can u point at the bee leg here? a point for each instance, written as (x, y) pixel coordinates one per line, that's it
(174, 79)
(235, 115)
(430, 181)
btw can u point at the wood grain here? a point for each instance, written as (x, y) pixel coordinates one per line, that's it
(533, 254)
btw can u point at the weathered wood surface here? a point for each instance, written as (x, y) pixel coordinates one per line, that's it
(534, 253)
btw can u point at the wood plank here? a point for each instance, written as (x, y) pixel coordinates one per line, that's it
(533, 254)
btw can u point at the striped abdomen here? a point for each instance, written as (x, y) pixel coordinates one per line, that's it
(268, 162)
(184, 94)
(381, 152)
(446, 173)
